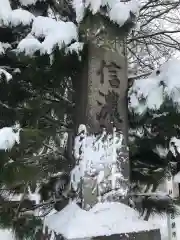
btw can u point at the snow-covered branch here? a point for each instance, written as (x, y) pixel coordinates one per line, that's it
(138, 76)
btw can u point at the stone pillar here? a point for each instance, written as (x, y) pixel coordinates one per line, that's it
(172, 190)
(107, 90)
(102, 101)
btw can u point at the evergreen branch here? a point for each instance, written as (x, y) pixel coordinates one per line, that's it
(8, 107)
(23, 196)
(60, 97)
(57, 100)
(58, 123)
(49, 202)
(64, 130)
(54, 150)
(115, 192)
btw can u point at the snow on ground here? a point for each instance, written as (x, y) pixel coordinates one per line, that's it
(6, 235)
(103, 219)
(106, 218)
(159, 221)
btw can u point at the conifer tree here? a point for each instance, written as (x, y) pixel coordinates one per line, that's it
(154, 134)
(39, 72)
(37, 110)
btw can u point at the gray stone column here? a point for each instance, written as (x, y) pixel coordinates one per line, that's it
(102, 101)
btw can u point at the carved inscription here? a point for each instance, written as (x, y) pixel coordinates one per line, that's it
(113, 74)
(109, 111)
(101, 71)
(171, 217)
